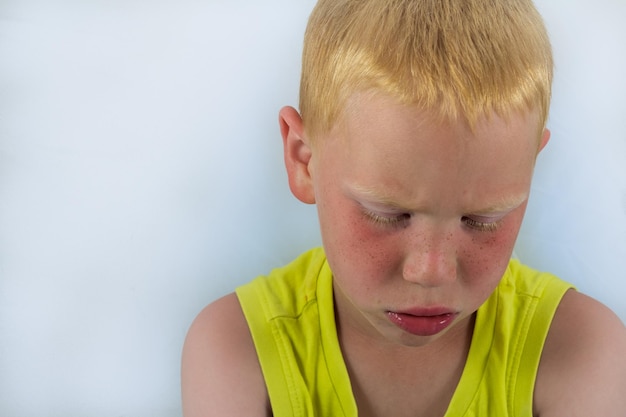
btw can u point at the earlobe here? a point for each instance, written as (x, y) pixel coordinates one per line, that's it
(297, 155)
(545, 137)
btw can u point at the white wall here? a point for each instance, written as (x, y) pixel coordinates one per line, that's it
(576, 222)
(141, 178)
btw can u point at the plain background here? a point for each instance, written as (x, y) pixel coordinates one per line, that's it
(141, 177)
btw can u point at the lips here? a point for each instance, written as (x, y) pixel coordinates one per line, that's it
(422, 322)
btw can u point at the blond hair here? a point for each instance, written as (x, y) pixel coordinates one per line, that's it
(459, 58)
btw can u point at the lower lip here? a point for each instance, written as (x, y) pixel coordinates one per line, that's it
(421, 325)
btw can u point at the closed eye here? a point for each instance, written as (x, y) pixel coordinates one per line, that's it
(482, 224)
(387, 219)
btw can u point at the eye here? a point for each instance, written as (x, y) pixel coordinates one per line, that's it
(393, 220)
(482, 224)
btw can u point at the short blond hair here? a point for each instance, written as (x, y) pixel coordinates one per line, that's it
(459, 58)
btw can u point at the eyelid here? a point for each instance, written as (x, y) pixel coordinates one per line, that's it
(487, 218)
(385, 217)
(382, 208)
(483, 222)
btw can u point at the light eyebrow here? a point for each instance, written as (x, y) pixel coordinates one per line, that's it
(505, 204)
(373, 196)
(502, 205)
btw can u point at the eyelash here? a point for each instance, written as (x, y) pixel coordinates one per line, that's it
(394, 221)
(402, 219)
(481, 226)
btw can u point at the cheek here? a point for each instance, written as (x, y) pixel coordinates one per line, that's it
(485, 258)
(356, 251)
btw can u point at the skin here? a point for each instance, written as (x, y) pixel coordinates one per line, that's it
(415, 214)
(398, 203)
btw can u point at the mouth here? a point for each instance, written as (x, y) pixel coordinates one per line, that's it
(423, 323)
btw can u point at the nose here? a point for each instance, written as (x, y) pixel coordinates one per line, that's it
(431, 260)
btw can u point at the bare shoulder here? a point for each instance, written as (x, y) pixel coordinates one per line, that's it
(221, 375)
(583, 364)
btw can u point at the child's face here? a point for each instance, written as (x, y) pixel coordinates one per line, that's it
(419, 218)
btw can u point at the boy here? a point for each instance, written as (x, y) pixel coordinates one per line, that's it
(419, 125)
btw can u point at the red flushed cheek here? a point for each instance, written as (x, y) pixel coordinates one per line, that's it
(487, 255)
(360, 248)
(376, 248)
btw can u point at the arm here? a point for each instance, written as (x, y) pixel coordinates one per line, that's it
(583, 365)
(221, 375)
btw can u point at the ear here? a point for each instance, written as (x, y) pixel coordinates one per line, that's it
(297, 154)
(545, 137)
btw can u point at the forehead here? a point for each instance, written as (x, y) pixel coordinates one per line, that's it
(407, 155)
(373, 107)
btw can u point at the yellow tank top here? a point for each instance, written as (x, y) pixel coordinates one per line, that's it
(291, 318)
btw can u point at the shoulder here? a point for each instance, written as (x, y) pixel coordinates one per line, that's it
(221, 375)
(583, 365)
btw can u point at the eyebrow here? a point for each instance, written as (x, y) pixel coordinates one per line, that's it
(373, 196)
(504, 204)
